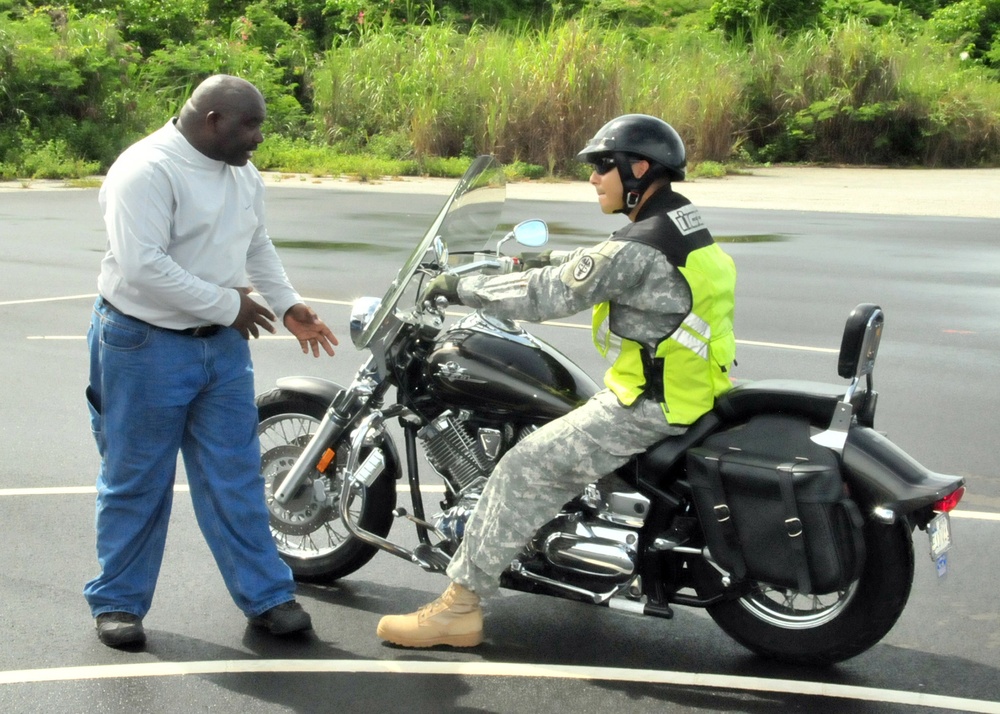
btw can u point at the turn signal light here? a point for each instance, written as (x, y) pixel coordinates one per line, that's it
(328, 456)
(949, 502)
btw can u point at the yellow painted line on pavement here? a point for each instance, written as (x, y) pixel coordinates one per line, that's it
(500, 669)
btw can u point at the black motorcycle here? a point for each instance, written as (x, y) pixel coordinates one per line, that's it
(782, 511)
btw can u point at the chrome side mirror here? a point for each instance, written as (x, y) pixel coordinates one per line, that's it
(440, 251)
(533, 233)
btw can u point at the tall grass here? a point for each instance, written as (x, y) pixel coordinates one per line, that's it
(695, 82)
(852, 94)
(527, 96)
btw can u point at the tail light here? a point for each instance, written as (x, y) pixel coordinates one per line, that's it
(949, 502)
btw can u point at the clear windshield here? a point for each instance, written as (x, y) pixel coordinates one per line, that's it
(466, 222)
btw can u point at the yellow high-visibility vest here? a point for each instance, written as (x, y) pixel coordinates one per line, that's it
(693, 362)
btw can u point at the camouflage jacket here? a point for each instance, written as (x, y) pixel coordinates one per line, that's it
(649, 296)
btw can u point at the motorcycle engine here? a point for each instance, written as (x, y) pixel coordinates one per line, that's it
(464, 456)
(600, 540)
(461, 457)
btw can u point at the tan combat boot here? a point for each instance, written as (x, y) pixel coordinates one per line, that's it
(453, 619)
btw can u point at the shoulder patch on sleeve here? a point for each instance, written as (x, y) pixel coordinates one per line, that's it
(583, 268)
(586, 266)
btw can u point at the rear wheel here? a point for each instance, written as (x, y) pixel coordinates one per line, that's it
(308, 530)
(790, 626)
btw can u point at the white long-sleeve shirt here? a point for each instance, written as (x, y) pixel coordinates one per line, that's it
(184, 231)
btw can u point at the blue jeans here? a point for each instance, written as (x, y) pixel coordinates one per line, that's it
(152, 394)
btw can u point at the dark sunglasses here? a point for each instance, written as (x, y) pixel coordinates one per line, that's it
(603, 165)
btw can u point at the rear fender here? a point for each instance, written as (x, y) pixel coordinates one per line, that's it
(886, 479)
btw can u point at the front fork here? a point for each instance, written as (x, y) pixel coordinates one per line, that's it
(343, 410)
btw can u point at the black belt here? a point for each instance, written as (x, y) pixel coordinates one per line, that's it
(200, 331)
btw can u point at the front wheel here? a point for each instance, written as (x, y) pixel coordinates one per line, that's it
(308, 530)
(790, 626)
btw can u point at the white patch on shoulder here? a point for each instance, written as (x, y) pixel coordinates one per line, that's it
(687, 219)
(583, 268)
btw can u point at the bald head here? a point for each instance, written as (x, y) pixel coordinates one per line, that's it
(223, 117)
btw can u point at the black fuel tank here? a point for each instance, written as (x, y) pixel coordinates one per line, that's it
(492, 366)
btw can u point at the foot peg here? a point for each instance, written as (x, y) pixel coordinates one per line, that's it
(431, 558)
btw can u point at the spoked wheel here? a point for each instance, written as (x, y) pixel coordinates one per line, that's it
(308, 530)
(790, 626)
(792, 610)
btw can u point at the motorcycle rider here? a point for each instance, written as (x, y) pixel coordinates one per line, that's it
(663, 291)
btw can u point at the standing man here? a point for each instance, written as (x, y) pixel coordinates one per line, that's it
(665, 290)
(170, 366)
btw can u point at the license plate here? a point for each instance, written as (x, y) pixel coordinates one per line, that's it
(939, 531)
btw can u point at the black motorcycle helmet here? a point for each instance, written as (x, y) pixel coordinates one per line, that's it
(638, 136)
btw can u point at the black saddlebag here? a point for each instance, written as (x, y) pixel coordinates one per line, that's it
(774, 508)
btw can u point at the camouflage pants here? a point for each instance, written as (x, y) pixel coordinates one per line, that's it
(538, 476)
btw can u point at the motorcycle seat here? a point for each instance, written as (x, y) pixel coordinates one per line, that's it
(660, 457)
(814, 400)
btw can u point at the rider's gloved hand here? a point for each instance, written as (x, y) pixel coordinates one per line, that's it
(535, 260)
(444, 285)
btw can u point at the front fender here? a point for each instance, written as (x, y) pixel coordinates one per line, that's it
(883, 475)
(322, 389)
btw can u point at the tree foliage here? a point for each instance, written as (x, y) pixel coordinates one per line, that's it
(777, 80)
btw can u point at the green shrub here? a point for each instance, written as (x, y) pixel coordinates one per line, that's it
(707, 169)
(518, 170)
(873, 12)
(68, 78)
(412, 88)
(971, 27)
(152, 24)
(645, 13)
(52, 159)
(172, 73)
(737, 17)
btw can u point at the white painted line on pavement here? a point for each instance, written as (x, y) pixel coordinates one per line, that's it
(403, 487)
(178, 488)
(500, 669)
(91, 296)
(348, 303)
(772, 345)
(978, 515)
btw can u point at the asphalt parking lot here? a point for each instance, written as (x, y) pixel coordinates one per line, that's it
(937, 394)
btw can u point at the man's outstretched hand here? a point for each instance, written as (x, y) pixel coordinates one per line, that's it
(311, 332)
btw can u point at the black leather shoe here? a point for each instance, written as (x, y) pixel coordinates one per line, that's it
(283, 619)
(120, 629)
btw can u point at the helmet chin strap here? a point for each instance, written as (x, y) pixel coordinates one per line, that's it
(632, 188)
